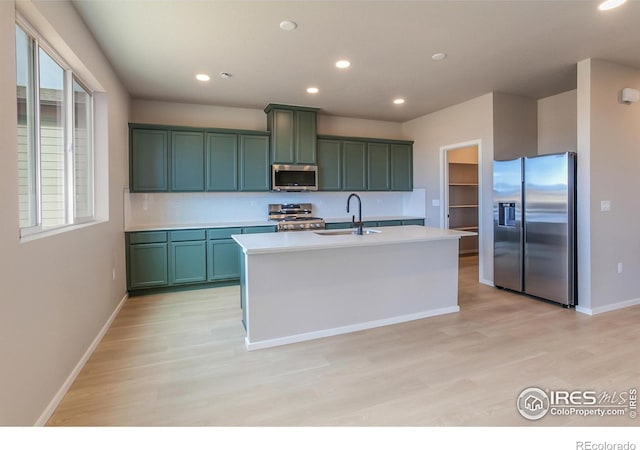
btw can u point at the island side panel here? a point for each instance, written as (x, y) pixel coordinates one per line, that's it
(303, 295)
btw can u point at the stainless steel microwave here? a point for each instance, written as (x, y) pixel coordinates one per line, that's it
(294, 177)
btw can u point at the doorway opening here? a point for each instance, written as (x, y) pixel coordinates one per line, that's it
(461, 199)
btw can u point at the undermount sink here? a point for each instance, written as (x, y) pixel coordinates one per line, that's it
(346, 232)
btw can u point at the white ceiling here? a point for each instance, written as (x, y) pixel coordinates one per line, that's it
(527, 48)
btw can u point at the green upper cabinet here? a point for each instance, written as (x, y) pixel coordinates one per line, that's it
(293, 134)
(187, 161)
(305, 137)
(329, 165)
(378, 167)
(354, 166)
(280, 123)
(364, 164)
(184, 159)
(401, 167)
(254, 163)
(149, 160)
(221, 162)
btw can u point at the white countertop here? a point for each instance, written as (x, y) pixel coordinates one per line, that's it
(191, 226)
(296, 241)
(249, 223)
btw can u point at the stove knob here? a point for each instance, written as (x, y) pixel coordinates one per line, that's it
(301, 226)
(285, 227)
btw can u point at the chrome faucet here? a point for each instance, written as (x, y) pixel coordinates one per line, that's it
(359, 224)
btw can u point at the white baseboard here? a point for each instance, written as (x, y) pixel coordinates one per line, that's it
(607, 308)
(51, 407)
(487, 282)
(347, 329)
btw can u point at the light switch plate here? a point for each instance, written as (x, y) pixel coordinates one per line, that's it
(605, 205)
(435, 202)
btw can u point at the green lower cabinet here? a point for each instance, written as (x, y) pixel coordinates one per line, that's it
(170, 259)
(188, 262)
(338, 225)
(147, 266)
(390, 223)
(261, 229)
(223, 260)
(371, 223)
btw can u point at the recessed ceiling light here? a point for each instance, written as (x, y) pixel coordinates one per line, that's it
(224, 75)
(313, 90)
(288, 25)
(203, 77)
(343, 64)
(398, 101)
(439, 56)
(610, 4)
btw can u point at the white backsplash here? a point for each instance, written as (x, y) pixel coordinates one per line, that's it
(215, 207)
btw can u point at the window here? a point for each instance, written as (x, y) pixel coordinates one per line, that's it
(55, 141)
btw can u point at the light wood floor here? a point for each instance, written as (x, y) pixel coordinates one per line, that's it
(179, 359)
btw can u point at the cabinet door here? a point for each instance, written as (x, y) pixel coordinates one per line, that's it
(187, 161)
(354, 166)
(305, 137)
(254, 163)
(222, 162)
(147, 266)
(149, 161)
(378, 165)
(329, 165)
(281, 125)
(401, 167)
(188, 262)
(224, 260)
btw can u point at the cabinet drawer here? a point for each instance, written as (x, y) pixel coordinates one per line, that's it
(338, 225)
(147, 237)
(187, 235)
(390, 223)
(222, 233)
(251, 230)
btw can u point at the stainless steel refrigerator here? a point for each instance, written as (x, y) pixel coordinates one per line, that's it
(534, 218)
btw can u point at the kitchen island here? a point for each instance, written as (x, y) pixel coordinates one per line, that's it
(297, 286)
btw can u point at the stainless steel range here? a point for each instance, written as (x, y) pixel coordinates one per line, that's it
(295, 217)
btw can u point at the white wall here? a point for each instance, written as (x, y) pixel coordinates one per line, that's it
(57, 292)
(185, 114)
(468, 121)
(558, 123)
(608, 162)
(515, 126)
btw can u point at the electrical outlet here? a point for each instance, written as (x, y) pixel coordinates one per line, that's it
(605, 205)
(619, 267)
